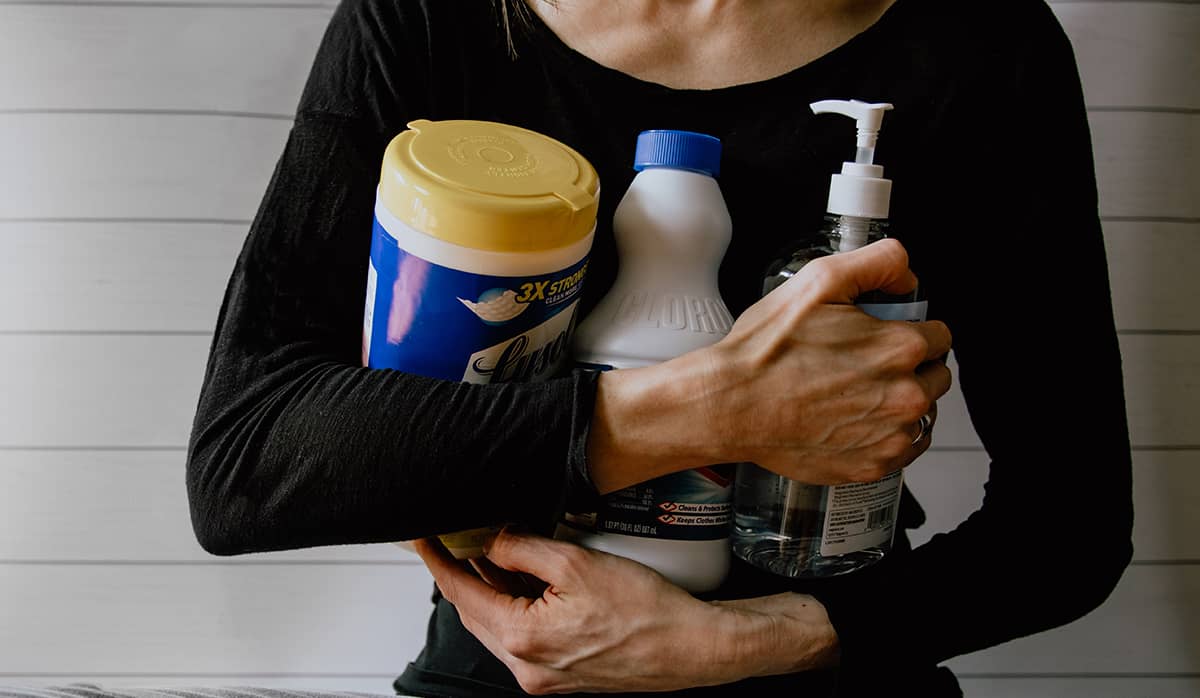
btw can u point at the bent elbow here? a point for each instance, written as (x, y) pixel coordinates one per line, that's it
(219, 524)
(214, 541)
(1094, 579)
(214, 537)
(210, 525)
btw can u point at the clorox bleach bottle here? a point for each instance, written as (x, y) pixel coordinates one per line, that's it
(672, 229)
(478, 255)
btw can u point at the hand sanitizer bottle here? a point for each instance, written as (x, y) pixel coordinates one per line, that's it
(789, 527)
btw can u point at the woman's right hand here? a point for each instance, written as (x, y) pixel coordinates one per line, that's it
(805, 384)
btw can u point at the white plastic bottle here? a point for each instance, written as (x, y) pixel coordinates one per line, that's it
(672, 229)
(796, 529)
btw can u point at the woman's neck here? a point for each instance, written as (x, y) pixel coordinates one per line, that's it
(707, 44)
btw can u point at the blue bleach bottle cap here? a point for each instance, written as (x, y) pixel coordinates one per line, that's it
(681, 150)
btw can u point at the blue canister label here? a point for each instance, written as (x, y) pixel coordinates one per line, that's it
(432, 320)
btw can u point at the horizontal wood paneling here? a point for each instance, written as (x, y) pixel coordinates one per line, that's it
(1166, 505)
(949, 486)
(156, 379)
(187, 166)
(126, 505)
(995, 687)
(136, 166)
(1147, 627)
(1135, 54)
(1162, 389)
(1081, 687)
(355, 619)
(205, 58)
(1147, 165)
(1152, 270)
(99, 390)
(137, 276)
(234, 5)
(107, 276)
(376, 685)
(92, 56)
(132, 506)
(370, 619)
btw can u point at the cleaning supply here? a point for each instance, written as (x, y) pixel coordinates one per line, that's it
(478, 254)
(789, 527)
(672, 229)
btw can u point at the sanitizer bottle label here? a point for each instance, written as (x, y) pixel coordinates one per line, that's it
(432, 320)
(862, 515)
(691, 505)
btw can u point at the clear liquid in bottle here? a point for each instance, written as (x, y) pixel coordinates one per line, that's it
(795, 529)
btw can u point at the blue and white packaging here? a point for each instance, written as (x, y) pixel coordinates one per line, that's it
(446, 322)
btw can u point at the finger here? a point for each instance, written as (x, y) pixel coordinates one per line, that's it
(935, 378)
(548, 559)
(881, 265)
(922, 429)
(499, 579)
(918, 447)
(468, 593)
(937, 337)
(511, 583)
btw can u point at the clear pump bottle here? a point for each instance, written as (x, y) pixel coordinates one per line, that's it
(795, 529)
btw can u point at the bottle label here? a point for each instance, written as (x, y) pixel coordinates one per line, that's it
(860, 515)
(908, 312)
(691, 505)
(432, 320)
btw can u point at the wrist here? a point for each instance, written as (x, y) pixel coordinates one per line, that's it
(649, 422)
(779, 634)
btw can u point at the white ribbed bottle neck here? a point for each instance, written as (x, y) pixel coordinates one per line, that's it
(847, 233)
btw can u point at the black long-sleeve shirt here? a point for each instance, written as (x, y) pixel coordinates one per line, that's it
(296, 445)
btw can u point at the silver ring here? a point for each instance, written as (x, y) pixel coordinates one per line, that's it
(926, 424)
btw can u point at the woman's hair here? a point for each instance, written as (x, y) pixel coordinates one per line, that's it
(513, 16)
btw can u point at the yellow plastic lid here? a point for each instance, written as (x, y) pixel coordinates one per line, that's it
(489, 186)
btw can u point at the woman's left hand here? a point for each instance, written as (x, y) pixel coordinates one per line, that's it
(604, 623)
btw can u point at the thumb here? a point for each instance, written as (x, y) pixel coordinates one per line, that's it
(881, 265)
(552, 561)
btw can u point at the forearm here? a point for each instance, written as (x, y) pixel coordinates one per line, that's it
(778, 634)
(325, 453)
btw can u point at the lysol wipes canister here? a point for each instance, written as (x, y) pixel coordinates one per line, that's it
(478, 255)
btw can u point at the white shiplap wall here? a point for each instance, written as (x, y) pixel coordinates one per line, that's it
(107, 298)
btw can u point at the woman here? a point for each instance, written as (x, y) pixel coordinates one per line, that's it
(295, 445)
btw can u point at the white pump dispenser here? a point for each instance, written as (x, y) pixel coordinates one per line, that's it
(860, 190)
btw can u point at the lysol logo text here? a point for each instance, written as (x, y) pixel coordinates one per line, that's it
(534, 355)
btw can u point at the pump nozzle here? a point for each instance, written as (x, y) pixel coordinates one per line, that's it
(868, 116)
(860, 190)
